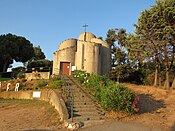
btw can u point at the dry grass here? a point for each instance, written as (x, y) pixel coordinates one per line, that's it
(28, 114)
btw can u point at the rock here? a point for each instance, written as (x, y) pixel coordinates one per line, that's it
(163, 116)
(158, 111)
(72, 125)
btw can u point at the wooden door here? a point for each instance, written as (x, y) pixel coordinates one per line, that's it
(65, 68)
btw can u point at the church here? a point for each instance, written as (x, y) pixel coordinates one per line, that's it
(86, 53)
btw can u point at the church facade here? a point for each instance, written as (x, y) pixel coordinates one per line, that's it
(86, 53)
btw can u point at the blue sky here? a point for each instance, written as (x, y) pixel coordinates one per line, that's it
(49, 22)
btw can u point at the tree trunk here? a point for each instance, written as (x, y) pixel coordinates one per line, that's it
(160, 81)
(167, 82)
(4, 67)
(118, 78)
(173, 84)
(156, 76)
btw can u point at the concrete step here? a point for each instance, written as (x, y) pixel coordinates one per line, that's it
(75, 87)
(83, 100)
(85, 106)
(85, 118)
(94, 109)
(83, 103)
(81, 96)
(76, 90)
(85, 109)
(85, 113)
(78, 94)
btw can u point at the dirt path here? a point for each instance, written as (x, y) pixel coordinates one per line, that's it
(119, 126)
(20, 115)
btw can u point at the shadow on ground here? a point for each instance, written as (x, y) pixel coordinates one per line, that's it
(148, 104)
(38, 130)
(173, 127)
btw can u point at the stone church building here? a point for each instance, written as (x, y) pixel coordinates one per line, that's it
(86, 53)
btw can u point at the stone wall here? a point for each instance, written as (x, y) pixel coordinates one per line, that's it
(37, 75)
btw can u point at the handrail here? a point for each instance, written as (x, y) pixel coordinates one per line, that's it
(67, 89)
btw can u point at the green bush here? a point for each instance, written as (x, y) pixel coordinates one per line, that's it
(81, 76)
(56, 84)
(117, 97)
(21, 75)
(40, 84)
(110, 95)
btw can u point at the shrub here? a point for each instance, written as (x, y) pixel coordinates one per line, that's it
(81, 76)
(117, 97)
(21, 75)
(18, 72)
(56, 84)
(40, 84)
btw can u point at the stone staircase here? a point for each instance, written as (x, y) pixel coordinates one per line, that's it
(84, 108)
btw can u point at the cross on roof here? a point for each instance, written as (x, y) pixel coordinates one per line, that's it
(85, 26)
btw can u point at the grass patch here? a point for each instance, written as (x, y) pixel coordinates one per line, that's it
(5, 79)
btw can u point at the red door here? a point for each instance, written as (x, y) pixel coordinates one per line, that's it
(65, 67)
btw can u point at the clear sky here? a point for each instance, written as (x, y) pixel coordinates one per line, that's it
(49, 22)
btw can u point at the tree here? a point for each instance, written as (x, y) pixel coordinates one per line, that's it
(40, 63)
(119, 56)
(38, 53)
(39, 59)
(156, 31)
(122, 65)
(121, 37)
(111, 38)
(16, 48)
(25, 50)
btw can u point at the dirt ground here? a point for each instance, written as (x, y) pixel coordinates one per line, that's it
(157, 107)
(25, 115)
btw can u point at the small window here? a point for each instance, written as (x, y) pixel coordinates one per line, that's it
(100, 47)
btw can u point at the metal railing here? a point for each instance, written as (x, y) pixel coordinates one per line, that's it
(69, 95)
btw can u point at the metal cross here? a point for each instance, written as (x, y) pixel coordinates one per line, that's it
(85, 31)
(85, 26)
